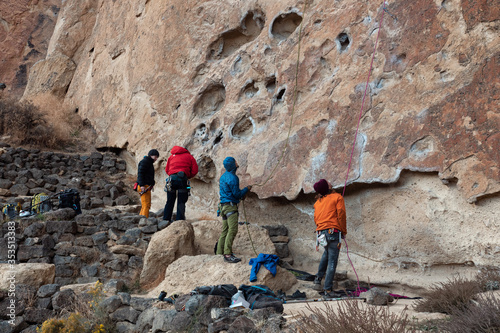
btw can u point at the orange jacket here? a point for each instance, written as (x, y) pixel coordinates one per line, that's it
(329, 212)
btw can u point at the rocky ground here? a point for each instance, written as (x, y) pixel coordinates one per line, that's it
(60, 254)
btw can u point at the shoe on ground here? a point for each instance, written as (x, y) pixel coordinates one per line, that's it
(231, 259)
(330, 294)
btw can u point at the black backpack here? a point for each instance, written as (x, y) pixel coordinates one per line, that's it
(70, 198)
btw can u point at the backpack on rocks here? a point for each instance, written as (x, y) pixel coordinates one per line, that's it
(40, 203)
(9, 210)
(70, 198)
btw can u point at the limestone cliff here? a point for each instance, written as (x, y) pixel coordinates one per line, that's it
(220, 78)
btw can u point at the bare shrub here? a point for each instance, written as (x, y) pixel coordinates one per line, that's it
(444, 297)
(22, 121)
(85, 315)
(489, 279)
(44, 123)
(482, 316)
(351, 317)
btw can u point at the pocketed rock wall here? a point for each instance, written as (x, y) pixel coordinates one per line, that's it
(218, 77)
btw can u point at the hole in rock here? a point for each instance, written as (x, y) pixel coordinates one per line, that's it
(241, 64)
(214, 125)
(206, 167)
(232, 40)
(343, 41)
(114, 150)
(210, 101)
(285, 24)
(218, 138)
(243, 128)
(201, 132)
(271, 84)
(281, 93)
(249, 90)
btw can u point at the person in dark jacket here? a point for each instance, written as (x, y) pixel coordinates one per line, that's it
(146, 180)
(181, 166)
(230, 196)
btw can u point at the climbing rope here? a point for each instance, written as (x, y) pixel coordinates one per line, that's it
(357, 128)
(271, 175)
(291, 123)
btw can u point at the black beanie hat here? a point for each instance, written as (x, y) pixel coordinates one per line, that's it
(153, 152)
(322, 187)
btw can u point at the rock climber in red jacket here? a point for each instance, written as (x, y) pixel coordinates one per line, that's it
(181, 166)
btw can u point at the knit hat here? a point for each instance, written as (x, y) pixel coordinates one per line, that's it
(229, 163)
(322, 187)
(153, 152)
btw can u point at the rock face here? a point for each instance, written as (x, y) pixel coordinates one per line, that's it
(25, 31)
(207, 233)
(221, 80)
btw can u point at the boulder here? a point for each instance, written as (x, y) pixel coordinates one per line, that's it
(125, 313)
(145, 320)
(37, 315)
(64, 214)
(127, 249)
(377, 296)
(165, 247)
(48, 290)
(61, 227)
(33, 274)
(207, 233)
(187, 273)
(64, 300)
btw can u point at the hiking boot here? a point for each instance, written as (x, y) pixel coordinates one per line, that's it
(231, 259)
(317, 284)
(329, 294)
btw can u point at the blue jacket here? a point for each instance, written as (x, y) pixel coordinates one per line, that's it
(229, 183)
(268, 260)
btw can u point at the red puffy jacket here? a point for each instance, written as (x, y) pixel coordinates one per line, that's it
(181, 160)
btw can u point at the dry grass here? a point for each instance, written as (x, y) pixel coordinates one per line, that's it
(44, 123)
(449, 296)
(489, 279)
(351, 316)
(480, 316)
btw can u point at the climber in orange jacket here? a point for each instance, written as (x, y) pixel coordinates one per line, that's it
(330, 219)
